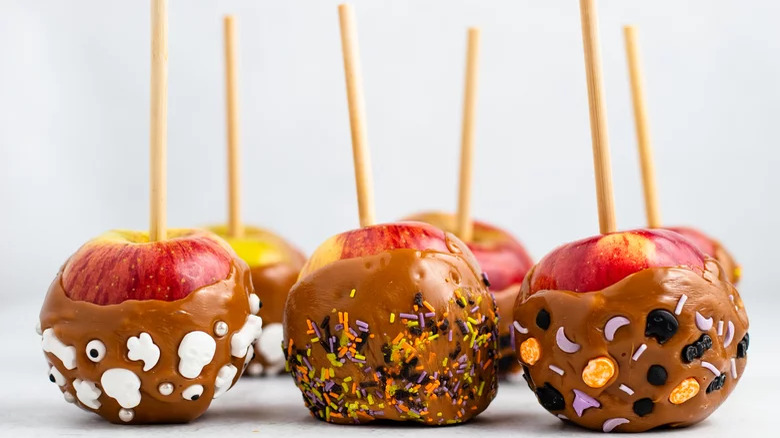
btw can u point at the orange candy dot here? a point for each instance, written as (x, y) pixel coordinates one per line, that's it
(598, 372)
(686, 390)
(530, 351)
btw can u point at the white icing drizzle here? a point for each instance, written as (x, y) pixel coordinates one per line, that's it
(564, 343)
(270, 344)
(87, 392)
(612, 423)
(626, 389)
(556, 370)
(66, 354)
(729, 335)
(720, 328)
(711, 367)
(143, 348)
(195, 352)
(254, 304)
(123, 386)
(520, 329)
(734, 368)
(680, 304)
(702, 323)
(224, 379)
(248, 334)
(638, 352)
(612, 325)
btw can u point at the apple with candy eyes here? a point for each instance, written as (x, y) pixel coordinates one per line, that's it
(505, 262)
(149, 332)
(275, 265)
(392, 322)
(631, 330)
(712, 248)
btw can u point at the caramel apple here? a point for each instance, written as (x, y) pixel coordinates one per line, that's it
(392, 322)
(631, 331)
(274, 265)
(504, 261)
(714, 249)
(149, 332)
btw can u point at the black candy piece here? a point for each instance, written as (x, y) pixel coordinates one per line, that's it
(527, 377)
(657, 375)
(543, 319)
(643, 406)
(661, 325)
(696, 350)
(689, 353)
(717, 383)
(52, 379)
(742, 346)
(550, 398)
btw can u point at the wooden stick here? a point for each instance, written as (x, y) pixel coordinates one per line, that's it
(235, 226)
(465, 226)
(598, 117)
(642, 130)
(357, 115)
(159, 124)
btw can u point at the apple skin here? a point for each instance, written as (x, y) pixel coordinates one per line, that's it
(712, 248)
(259, 247)
(375, 239)
(597, 262)
(123, 265)
(501, 256)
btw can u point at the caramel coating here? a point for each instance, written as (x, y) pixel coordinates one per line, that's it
(404, 335)
(77, 323)
(674, 332)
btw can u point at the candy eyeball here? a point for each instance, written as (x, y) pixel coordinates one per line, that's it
(96, 350)
(193, 392)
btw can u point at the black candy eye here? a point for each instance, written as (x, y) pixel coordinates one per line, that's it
(661, 325)
(543, 319)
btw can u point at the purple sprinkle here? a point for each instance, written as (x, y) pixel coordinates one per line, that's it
(512, 338)
(354, 333)
(430, 314)
(449, 336)
(408, 316)
(462, 358)
(422, 320)
(363, 329)
(367, 369)
(306, 361)
(361, 323)
(455, 389)
(422, 376)
(329, 385)
(408, 385)
(398, 408)
(339, 327)
(358, 360)
(436, 375)
(474, 309)
(331, 345)
(316, 330)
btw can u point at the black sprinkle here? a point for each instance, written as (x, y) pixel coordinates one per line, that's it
(445, 325)
(52, 379)
(643, 406)
(717, 383)
(742, 346)
(456, 352)
(401, 393)
(418, 299)
(368, 384)
(543, 319)
(387, 352)
(416, 330)
(325, 322)
(661, 325)
(550, 398)
(657, 375)
(527, 377)
(697, 349)
(464, 329)
(460, 304)
(94, 353)
(485, 279)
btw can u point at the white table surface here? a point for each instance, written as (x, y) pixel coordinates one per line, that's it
(32, 406)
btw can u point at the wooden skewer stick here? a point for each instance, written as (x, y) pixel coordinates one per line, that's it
(158, 125)
(598, 117)
(642, 130)
(465, 226)
(357, 115)
(235, 226)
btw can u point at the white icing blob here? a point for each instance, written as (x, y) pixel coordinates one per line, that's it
(165, 388)
(96, 350)
(243, 338)
(57, 377)
(250, 354)
(123, 386)
(270, 343)
(195, 352)
(255, 369)
(254, 303)
(224, 379)
(613, 325)
(143, 348)
(126, 415)
(193, 392)
(87, 392)
(66, 354)
(729, 334)
(68, 397)
(38, 328)
(564, 343)
(702, 323)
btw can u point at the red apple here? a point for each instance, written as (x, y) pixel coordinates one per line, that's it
(375, 239)
(501, 256)
(123, 265)
(597, 262)
(712, 248)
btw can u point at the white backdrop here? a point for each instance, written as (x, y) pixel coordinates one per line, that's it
(74, 82)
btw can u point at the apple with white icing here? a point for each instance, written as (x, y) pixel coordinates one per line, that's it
(149, 332)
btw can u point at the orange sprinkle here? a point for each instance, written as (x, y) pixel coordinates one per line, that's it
(428, 306)
(530, 351)
(598, 372)
(686, 390)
